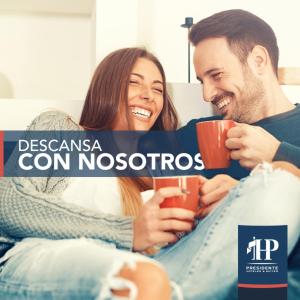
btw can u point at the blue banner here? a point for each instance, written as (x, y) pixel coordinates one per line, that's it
(94, 154)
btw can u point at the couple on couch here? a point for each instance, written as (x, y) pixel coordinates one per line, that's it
(79, 238)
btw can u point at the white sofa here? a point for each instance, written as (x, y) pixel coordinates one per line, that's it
(16, 114)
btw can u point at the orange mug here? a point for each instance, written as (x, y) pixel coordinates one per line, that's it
(190, 185)
(211, 136)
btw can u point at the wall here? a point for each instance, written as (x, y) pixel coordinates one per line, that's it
(156, 24)
(169, 40)
(49, 50)
(116, 25)
(44, 55)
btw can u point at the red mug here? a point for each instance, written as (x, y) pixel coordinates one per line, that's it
(211, 136)
(190, 185)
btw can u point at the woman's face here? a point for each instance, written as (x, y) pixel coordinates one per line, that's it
(145, 97)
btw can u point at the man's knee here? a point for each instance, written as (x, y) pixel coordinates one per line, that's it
(283, 165)
(151, 281)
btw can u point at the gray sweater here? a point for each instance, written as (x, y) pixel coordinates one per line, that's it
(32, 206)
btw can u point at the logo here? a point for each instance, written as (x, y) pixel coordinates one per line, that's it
(256, 247)
(262, 256)
(261, 250)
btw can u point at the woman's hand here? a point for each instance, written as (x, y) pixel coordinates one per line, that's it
(155, 225)
(213, 191)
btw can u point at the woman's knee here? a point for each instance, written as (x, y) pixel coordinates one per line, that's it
(151, 281)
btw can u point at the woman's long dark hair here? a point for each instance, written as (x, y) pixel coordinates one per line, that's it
(109, 89)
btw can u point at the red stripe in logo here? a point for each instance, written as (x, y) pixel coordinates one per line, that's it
(1, 153)
(262, 286)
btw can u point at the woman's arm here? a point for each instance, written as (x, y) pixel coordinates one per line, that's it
(32, 207)
(25, 212)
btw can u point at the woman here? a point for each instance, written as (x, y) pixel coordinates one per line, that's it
(128, 91)
(139, 78)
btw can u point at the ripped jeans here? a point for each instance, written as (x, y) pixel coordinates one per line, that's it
(66, 269)
(203, 264)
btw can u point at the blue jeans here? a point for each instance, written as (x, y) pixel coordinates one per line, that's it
(65, 269)
(203, 263)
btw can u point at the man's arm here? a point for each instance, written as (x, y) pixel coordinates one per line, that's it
(288, 152)
(251, 145)
(214, 190)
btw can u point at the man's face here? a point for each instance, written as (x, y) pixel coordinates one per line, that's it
(230, 85)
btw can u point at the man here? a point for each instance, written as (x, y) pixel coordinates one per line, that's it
(236, 60)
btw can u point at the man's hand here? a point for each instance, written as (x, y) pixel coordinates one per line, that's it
(155, 225)
(251, 145)
(214, 190)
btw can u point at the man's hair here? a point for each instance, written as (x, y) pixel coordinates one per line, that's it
(242, 30)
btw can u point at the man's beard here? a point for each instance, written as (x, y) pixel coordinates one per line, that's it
(249, 105)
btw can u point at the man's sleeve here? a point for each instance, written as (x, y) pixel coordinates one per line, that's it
(288, 152)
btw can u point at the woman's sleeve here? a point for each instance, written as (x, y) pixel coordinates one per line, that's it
(27, 209)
